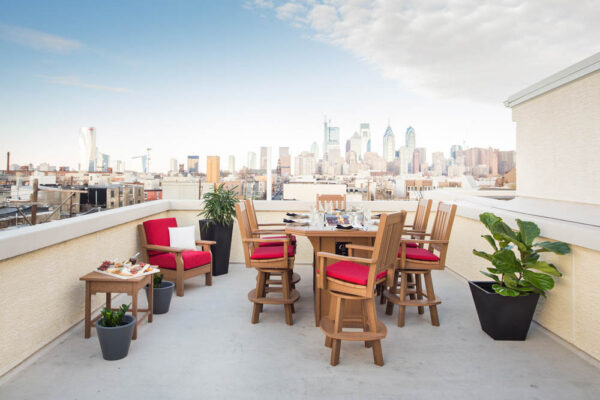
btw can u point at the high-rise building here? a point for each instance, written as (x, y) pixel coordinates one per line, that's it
(454, 149)
(506, 161)
(419, 158)
(314, 148)
(87, 149)
(264, 158)
(193, 164)
(365, 136)
(389, 145)
(285, 161)
(410, 138)
(356, 144)
(305, 164)
(105, 161)
(405, 156)
(213, 169)
(251, 160)
(331, 139)
(231, 164)
(173, 165)
(438, 163)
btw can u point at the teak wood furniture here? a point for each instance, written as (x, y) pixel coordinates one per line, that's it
(338, 201)
(331, 240)
(96, 282)
(176, 264)
(353, 279)
(416, 261)
(269, 261)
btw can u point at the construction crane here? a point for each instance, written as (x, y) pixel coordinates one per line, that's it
(145, 160)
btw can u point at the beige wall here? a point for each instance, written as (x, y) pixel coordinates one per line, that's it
(558, 142)
(571, 308)
(41, 296)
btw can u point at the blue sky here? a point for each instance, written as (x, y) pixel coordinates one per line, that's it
(210, 78)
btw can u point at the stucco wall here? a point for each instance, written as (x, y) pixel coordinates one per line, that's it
(41, 296)
(571, 309)
(558, 142)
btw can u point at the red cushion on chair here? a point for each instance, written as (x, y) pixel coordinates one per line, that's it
(266, 244)
(419, 254)
(191, 259)
(157, 232)
(351, 272)
(263, 253)
(411, 245)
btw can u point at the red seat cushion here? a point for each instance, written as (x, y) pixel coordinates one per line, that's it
(351, 272)
(191, 259)
(157, 232)
(263, 253)
(266, 244)
(411, 245)
(419, 254)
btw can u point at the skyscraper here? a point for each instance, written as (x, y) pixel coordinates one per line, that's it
(231, 164)
(389, 144)
(314, 148)
(173, 165)
(356, 144)
(264, 157)
(285, 161)
(305, 164)
(213, 168)
(192, 164)
(87, 149)
(365, 136)
(410, 138)
(251, 160)
(331, 139)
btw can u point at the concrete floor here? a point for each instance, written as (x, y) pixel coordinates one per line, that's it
(205, 347)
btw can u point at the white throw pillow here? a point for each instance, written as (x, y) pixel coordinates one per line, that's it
(182, 238)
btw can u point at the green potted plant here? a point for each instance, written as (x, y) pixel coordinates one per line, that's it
(506, 304)
(161, 295)
(217, 225)
(115, 329)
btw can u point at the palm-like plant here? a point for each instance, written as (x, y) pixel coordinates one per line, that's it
(517, 276)
(219, 206)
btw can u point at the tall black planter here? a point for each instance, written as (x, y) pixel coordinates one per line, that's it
(222, 235)
(503, 317)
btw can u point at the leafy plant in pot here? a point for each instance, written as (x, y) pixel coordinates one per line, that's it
(505, 306)
(115, 329)
(161, 295)
(218, 212)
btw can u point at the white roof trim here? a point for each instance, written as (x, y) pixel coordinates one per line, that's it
(575, 71)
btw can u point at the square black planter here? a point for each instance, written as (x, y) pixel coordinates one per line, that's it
(502, 317)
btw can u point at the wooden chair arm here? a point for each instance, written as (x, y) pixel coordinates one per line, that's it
(274, 224)
(359, 247)
(164, 249)
(282, 241)
(267, 231)
(208, 242)
(424, 241)
(416, 233)
(345, 258)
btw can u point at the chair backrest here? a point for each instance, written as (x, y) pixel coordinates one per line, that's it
(241, 213)
(252, 220)
(387, 241)
(422, 215)
(442, 227)
(156, 231)
(338, 201)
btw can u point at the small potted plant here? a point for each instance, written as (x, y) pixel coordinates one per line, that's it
(218, 212)
(505, 306)
(115, 330)
(161, 297)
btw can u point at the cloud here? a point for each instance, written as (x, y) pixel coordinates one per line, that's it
(76, 81)
(469, 49)
(38, 40)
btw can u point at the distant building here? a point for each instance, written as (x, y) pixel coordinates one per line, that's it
(331, 140)
(173, 165)
(314, 148)
(251, 160)
(356, 144)
(193, 164)
(389, 145)
(285, 161)
(410, 138)
(305, 164)
(213, 174)
(87, 149)
(231, 164)
(365, 138)
(264, 158)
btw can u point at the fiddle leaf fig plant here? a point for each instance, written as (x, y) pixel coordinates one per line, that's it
(219, 206)
(525, 274)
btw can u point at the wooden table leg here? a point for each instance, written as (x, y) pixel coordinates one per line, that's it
(134, 307)
(150, 298)
(108, 300)
(88, 310)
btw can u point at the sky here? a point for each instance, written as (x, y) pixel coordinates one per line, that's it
(226, 77)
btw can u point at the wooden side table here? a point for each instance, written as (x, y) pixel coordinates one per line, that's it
(96, 282)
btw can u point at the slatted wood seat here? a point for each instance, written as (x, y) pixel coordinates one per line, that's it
(412, 264)
(354, 279)
(281, 264)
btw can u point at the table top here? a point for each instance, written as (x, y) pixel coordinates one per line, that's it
(330, 231)
(98, 277)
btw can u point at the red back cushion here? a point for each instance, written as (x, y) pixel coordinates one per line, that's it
(157, 232)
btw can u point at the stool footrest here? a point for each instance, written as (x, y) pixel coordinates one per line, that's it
(294, 296)
(327, 327)
(394, 298)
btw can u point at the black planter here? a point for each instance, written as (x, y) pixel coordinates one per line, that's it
(115, 341)
(502, 317)
(161, 299)
(220, 252)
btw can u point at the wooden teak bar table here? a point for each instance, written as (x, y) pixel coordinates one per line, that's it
(96, 282)
(333, 240)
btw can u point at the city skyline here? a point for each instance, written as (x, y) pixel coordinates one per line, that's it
(259, 73)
